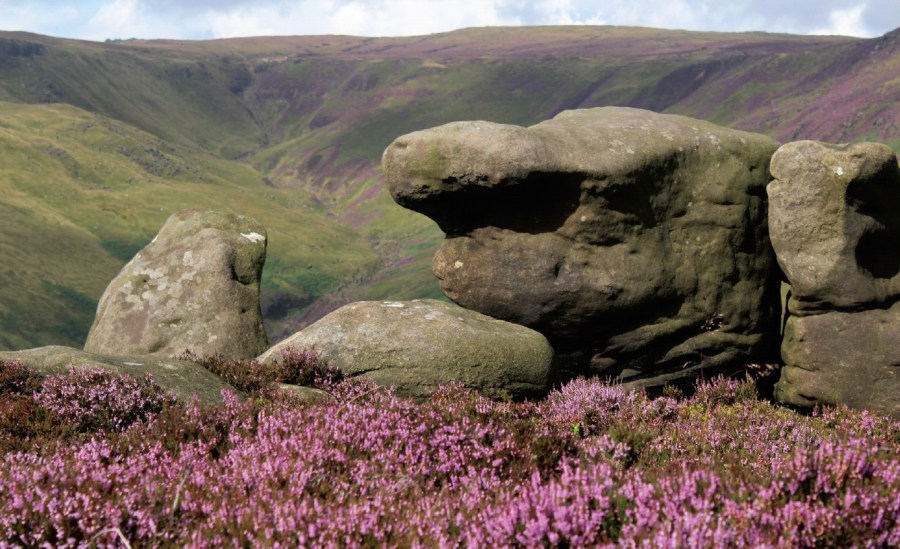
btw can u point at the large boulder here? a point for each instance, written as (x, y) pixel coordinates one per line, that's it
(418, 345)
(194, 287)
(834, 217)
(633, 240)
(184, 379)
(850, 358)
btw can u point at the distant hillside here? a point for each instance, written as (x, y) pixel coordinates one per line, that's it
(99, 142)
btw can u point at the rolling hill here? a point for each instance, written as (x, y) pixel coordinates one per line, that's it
(100, 142)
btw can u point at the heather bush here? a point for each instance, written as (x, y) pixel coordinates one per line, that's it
(98, 400)
(297, 367)
(24, 424)
(36, 411)
(16, 378)
(588, 466)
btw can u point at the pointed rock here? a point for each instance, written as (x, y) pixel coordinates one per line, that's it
(195, 287)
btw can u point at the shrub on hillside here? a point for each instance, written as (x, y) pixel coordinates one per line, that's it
(16, 378)
(297, 367)
(37, 411)
(98, 400)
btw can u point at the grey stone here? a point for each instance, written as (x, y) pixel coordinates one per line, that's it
(633, 240)
(850, 358)
(195, 287)
(418, 345)
(306, 394)
(834, 216)
(185, 379)
(834, 220)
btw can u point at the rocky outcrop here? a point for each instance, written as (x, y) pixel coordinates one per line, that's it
(834, 217)
(418, 345)
(634, 240)
(184, 379)
(195, 287)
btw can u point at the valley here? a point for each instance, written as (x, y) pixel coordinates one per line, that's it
(101, 142)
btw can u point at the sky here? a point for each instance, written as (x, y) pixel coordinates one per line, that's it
(206, 19)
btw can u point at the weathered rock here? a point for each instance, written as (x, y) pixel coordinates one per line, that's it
(842, 357)
(195, 287)
(834, 217)
(418, 345)
(634, 239)
(307, 394)
(185, 379)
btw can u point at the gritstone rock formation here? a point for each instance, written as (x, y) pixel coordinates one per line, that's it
(195, 287)
(834, 217)
(418, 345)
(634, 240)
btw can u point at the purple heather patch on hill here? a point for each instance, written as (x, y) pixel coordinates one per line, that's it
(590, 465)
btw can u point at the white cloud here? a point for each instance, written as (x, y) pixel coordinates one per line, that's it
(265, 20)
(356, 17)
(846, 22)
(121, 13)
(198, 19)
(565, 12)
(35, 17)
(131, 19)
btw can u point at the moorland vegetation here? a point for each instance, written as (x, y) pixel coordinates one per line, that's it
(105, 460)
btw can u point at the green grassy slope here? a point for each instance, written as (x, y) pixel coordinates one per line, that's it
(291, 130)
(82, 193)
(183, 99)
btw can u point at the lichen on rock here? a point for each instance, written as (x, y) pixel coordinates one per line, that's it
(418, 345)
(194, 287)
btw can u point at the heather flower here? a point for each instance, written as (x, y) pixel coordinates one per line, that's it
(460, 470)
(296, 367)
(16, 378)
(95, 399)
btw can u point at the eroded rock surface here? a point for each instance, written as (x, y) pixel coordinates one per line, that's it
(834, 217)
(185, 379)
(420, 344)
(195, 287)
(635, 240)
(843, 358)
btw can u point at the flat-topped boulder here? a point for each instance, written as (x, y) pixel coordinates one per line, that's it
(194, 287)
(834, 217)
(636, 242)
(184, 379)
(418, 345)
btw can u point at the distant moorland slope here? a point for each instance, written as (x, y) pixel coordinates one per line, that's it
(100, 142)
